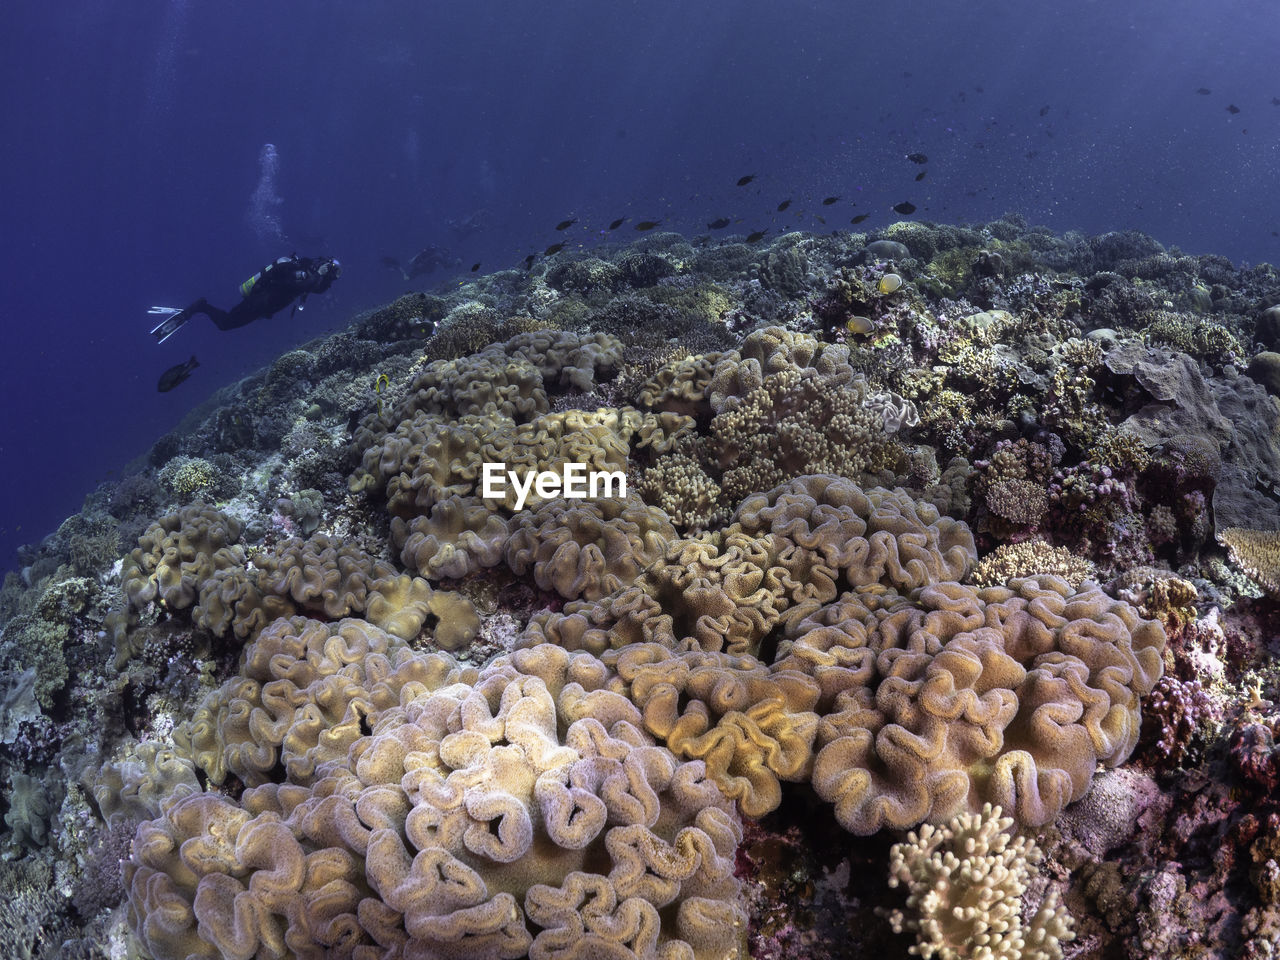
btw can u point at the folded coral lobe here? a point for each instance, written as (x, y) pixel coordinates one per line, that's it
(1017, 712)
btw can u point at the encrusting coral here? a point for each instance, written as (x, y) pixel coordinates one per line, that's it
(1257, 553)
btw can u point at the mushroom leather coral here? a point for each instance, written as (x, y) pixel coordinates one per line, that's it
(436, 814)
(1010, 695)
(930, 697)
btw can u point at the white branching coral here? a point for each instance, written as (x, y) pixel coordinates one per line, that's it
(966, 882)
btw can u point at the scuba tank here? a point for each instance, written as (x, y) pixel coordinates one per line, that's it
(247, 286)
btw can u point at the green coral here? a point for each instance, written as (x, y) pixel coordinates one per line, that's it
(1203, 339)
(951, 268)
(65, 599)
(1121, 450)
(32, 642)
(188, 476)
(705, 301)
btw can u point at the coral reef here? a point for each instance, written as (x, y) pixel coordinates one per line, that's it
(890, 530)
(426, 809)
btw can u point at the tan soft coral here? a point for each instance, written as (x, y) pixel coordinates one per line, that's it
(1009, 695)
(145, 777)
(587, 548)
(1011, 561)
(320, 575)
(446, 462)
(232, 602)
(681, 385)
(460, 535)
(683, 490)
(178, 553)
(484, 384)
(753, 727)
(564, 357)
(303, 695)
(787, 552)
(469, 819)
(503, 382)
(966, 882)
(933, 697)
(708, 593)
(774, 350)
(838, 535)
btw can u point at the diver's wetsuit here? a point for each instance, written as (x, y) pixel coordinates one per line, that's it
(271, 290)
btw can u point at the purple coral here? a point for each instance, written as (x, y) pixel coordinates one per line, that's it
(1098, 511)
(1179, 711)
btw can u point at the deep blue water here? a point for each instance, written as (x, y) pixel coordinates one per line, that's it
(133, 137)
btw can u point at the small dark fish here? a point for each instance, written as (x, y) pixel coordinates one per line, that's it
(1275, 101)
(176, 374)
(1043, 111)
(475, 267)
(553, 249)
(647, 224)
(1232, 109)
(917, 158)
(783, 205)
(860, 217)
(921, 175)
(743, 181)
(617, 223)
(828, 201)
(906, 208)
(566, 224)
(528, 261)
(1204, 91)
(757, 235)
(391, 262)
(718, 224)
(821, 219)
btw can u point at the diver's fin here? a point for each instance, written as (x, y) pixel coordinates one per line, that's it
(171, 324)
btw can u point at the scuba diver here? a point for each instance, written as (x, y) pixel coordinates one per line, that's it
(264, 294)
